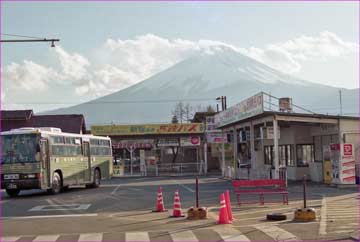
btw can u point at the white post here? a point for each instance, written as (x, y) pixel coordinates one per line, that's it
(235, 167)
(252, 148)
(276, 148)
(205, 158)
(223, 154)
(131, 160)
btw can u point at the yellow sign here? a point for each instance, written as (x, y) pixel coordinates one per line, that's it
(191, 128)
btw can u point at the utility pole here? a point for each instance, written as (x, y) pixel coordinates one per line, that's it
(223, 102)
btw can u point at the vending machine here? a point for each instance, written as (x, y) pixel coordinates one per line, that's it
(342, 163)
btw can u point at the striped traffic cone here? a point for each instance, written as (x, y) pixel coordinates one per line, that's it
(160, 202)
(228, 205)
(223, 215)
(177, 206)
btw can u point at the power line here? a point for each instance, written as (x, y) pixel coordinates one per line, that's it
(23, 36)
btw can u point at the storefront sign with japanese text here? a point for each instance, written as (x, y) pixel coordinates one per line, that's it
(245, 109)
(112, 130)
(216, 138)
(168, 142)
(133, 144)
(190, 141)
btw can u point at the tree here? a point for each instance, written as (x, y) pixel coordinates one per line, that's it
(183, 112)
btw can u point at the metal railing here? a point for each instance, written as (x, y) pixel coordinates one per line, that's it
(175, 169)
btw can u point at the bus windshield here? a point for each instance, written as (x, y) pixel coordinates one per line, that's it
(19, 148)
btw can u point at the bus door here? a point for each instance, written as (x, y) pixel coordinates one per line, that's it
(45, 164)
(87, 160)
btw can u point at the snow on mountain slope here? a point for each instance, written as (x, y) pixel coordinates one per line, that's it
(207, 76)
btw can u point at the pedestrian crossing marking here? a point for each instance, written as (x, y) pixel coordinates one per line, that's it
(137, 236)
(276, 233)
(91, 237)
(230, 234)
(44, 238)
(183, 236)
(10, 239)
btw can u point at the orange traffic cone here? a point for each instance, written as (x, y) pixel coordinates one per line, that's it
(177, 206)
(159, 202)
(223, 216)
(228, 205)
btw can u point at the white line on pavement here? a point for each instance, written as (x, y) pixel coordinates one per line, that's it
(61, 207)
(137, 236)
(187, 188)
(323, 219)
(183, 236)
(91, 237)
(44, 238)
(277, 233)
(9, 239)
(52, 216)
(116, 188)
(230, 234)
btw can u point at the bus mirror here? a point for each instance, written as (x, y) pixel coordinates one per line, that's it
(38, 148)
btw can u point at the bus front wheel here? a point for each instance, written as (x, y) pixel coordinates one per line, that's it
(56, 184)
(12, 192)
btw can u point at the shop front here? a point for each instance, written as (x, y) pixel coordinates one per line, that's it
(155, 149)
(269, 142)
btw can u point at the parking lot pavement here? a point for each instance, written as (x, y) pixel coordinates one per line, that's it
(121, 210)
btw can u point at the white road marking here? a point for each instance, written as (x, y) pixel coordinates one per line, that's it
(137, 236)
(183, 236)
(323, 218)
(52, 216)
(44, 238)
(277, 233)
(9, 239)
(187, 188)
(230, 234)
(91, 237)
(116, 188)
(61, 207)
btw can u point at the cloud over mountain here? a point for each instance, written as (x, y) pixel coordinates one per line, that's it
(118, 64)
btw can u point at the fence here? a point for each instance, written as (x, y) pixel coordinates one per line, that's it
(176, 169)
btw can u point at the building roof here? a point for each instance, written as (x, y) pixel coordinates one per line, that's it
(16, 114)
(201, 116)
(304, 115)
(70, 123)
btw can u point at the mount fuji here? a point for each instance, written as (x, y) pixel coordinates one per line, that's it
(200, 79)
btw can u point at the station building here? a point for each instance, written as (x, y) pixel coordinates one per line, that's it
(268, 134)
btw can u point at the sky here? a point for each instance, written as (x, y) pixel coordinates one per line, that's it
(107, 46)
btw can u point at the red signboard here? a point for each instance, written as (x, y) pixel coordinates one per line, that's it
(348, 149)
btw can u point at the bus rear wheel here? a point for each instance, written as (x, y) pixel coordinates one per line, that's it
(96, 181)
(56, 186)
(13, 192)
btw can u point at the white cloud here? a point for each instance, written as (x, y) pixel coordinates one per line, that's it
(121, 63)
(74, 66)
(28, 76)
(287, 56)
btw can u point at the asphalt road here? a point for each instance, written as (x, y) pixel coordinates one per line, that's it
(121, 210)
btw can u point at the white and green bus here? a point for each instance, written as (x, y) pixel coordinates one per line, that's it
(46, 158)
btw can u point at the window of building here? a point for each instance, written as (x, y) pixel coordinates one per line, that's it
(286, 157)
(305, 154)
